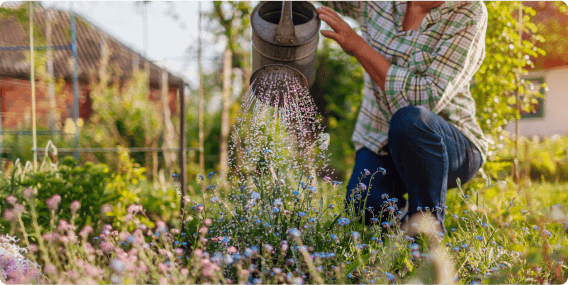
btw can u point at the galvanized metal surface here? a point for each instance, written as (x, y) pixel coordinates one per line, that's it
(301, 54)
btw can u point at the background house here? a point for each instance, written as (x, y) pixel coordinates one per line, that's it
(551, 116)
(15, 87)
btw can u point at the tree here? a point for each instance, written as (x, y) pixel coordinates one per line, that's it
(507, 58)
(234, 22)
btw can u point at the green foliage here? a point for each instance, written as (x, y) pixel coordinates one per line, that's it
(496, 81)
(87, 184)
(338, 92)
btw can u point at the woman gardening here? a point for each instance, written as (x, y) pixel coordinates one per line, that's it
(417, 119)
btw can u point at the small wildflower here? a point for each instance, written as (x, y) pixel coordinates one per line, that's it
(296, 193)
(363, 186)
(210, 175)
(355, 234)
(333, 237)
(294, 232)
(367, 172)
(11, 200)
(479, 238)
(536, 228)
(254, 196)
(214, 199)
(343, 221)
(200, 177)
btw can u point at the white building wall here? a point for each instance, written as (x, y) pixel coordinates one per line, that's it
(555, 120)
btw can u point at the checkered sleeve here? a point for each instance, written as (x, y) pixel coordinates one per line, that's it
(452, 64)
(345, 8)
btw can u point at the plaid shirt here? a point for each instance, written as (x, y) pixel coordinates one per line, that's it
(430, 67)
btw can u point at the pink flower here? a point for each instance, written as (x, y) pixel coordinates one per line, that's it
(19, 208)
(160, 226)
(208, 222)
(114, 233)
(64, 239)
(50, 268)
(86, 231)
(184, 272)
(53, 202)
(127, 217)
(133, 209)
(91, 270)
(175, 231)
(107, 247)
(11, 200)
(186, 199)
(123, 235)
(65, 226)
(163, 280)
(203, 230)
(232, 249)
(327, 179)
(178, 251)
(72, 236)
(75, 206)
(88, 247)
(33, 247)
(198, 252)
(28, 192)
(208, 268)
(162, 266)
(72, 274)
(9, 215)
(50, 236)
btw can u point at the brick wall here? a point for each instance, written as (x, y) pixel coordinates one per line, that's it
(16, 100)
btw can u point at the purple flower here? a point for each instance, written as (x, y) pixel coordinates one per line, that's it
(11, 200)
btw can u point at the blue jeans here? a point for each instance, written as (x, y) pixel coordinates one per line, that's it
(426, 157)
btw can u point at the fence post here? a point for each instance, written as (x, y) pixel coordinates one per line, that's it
(75, 83)
(183, 155)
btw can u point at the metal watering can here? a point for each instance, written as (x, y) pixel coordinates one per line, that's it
(284, 39)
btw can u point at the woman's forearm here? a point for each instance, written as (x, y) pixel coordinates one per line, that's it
(373, 62)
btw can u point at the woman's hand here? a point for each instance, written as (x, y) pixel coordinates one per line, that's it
(342, 33)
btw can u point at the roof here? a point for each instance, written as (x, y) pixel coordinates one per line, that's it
(89, 46)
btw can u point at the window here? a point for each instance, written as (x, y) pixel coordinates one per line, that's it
(538, 108)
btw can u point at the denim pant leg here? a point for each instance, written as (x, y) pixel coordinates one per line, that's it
(388, 183)
(430, 154)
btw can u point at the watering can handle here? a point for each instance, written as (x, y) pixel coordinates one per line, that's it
(285, 33)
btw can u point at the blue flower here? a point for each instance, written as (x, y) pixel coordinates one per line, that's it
(294, 232)
(257, 222)
(374, 220)
(210, 175)
(200, 177)
(331, 206)
(175, 175)
(312, 220)
(355, 234)
(296, 193)
(278, 202)
(479, 238)
(214, 199)
(333, 237)
(312, 189)
(343, 221)
(363, 186)
(301, 214)
(275, 210)
(255, 195)
(267, 151)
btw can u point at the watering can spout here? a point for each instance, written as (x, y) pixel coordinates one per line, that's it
(285, 33)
